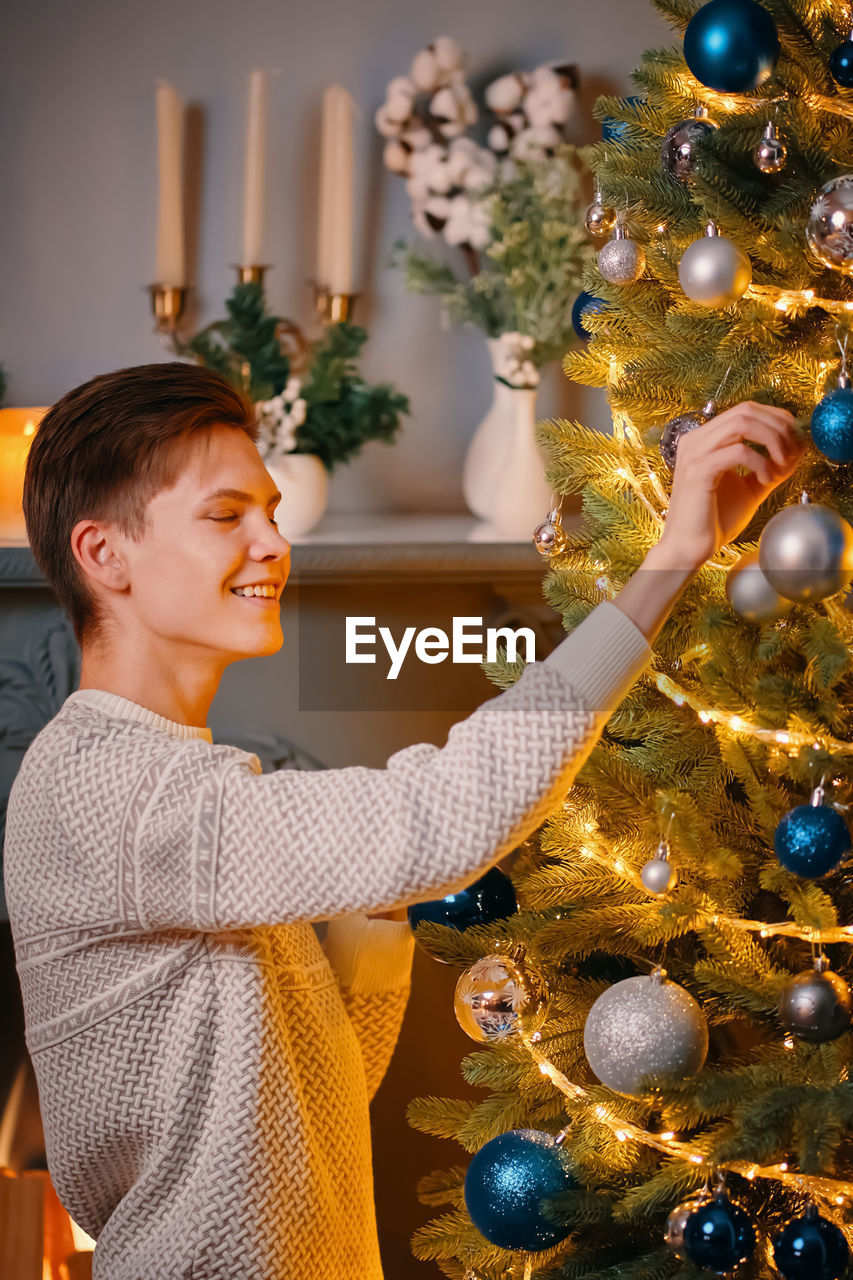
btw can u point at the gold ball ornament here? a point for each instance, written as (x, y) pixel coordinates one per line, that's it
(600, 219)
(714, 271)
(751, 595)
(499, 997)
(771, 153)
(549, 538)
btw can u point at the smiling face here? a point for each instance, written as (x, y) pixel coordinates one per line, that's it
(206, 541)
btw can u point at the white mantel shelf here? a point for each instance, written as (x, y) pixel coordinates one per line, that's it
(372, 545)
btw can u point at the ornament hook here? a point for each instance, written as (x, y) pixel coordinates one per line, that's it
(843, 378)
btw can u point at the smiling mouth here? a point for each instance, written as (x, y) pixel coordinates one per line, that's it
(266, 592)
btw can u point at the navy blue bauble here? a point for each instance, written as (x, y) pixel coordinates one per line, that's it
(811, 840)
(506, 1184)
(616, 130)
(841, 64)
(719, 1235)
(585, 302)
(832, 424)
(492, 897)
(811, 1248)
(731, 45)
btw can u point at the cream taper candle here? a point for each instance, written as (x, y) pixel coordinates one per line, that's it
(335, 231)
(170, 152)
(253, 194)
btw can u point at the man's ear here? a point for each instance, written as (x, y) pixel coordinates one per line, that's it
(97, 549)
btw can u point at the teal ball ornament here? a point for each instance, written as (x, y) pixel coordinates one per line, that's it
(490, 898)
(811, 1248)
(841, 65)
(832, 425)
(719, 1235)
(731, 46)
(508, 1184)
(811, 840)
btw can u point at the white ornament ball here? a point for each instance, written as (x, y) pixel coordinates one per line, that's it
(830, 226)
(714, 271)
(621, 260)
(642, 1028)
(806, 552)
(658, 876)
(751, 595)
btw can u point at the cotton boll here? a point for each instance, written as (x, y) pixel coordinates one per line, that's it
(398, 107)
(478, 175)
(429, 171)
(504, 94)
(468, 223)
(462, 153)
(421, 221)
(400, 86)
(416, 138)
(517, 121)
(298, 410)
(386, 124)
(498, 138)
(439, 207)
(448, 54)
(395, 157)
(424, 72)
(292, 389)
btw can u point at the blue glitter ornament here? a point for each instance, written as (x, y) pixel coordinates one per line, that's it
(506, 1184)
(731, 45)
(811, 1248)
(585, 302)
(492, 897)
(841, 64)
(812, 839)
(832, 424)
(719, 1235)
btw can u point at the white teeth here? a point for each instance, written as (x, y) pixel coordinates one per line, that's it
(267, 590)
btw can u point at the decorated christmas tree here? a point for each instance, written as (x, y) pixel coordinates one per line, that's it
(663, 1023)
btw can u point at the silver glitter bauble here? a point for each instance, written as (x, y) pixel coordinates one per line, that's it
(599, 220)
(714, 271)
(678, 427)
(816, 1005)
(806, 552)
(829, 230)
(498, 997)
(676, 150)
(643, 1028)
(549, 538)
(771, 153)
(622, 260)
(751, 595)
(658, 876)
(676, 1222)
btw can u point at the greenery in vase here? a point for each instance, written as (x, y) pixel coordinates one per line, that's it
(529, 274)
(341, 411)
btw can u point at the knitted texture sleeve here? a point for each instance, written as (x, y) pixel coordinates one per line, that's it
(372, 960)
(208, 842)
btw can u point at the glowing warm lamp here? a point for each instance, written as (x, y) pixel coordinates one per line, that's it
(17, 428)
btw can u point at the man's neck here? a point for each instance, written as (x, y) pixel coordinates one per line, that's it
(178, 690)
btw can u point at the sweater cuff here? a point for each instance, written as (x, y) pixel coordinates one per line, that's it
(370, 955)
(602, 657)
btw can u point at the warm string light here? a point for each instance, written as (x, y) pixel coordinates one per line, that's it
(737, 724)
(791, 300)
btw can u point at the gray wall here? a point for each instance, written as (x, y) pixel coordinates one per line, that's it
(79, 207)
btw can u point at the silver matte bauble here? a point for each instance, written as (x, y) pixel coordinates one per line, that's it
(771, 153)
(677, 148)
(599, 220)
(498, 997)
(816, 1005)
(622, 260)
(678, 427)
(675, 1224)
(714, 271)
(806, 552)
(830, 226)
(658, 876)
(549, 538)
(751, 595)
(643, 1028)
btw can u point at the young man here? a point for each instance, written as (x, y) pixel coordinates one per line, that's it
(204, 1068)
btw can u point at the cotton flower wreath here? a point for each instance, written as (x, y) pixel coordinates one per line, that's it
(425, 118)
(278, 420)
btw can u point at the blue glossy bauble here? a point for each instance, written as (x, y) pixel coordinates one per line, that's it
(841, 65)
(492, 897)
(811, 840)
(731, 45)
(832, 425)
(719, 1235)
(811, 1248)
(616, 130)
(506, 1184)
(583, 303)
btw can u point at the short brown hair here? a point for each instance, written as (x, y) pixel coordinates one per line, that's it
(104, 450)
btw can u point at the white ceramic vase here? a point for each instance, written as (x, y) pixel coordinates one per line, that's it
(304, 485)
(504, 473)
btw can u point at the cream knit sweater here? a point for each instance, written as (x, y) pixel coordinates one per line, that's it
(204, 1066)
